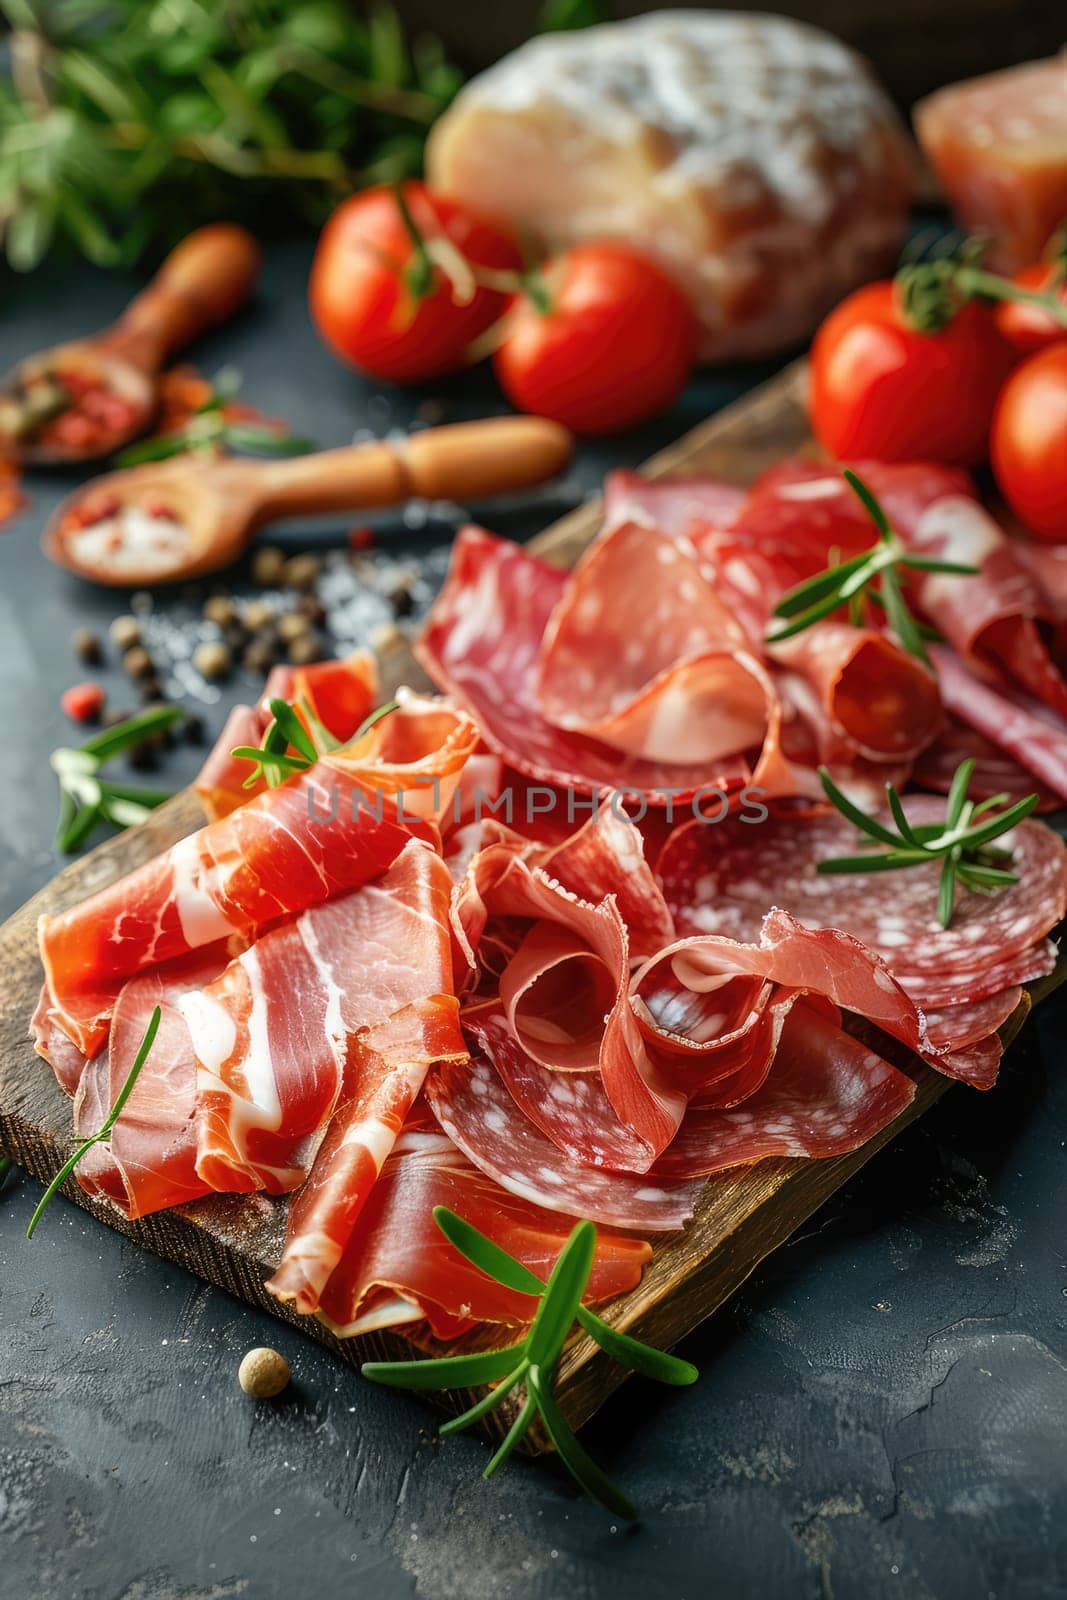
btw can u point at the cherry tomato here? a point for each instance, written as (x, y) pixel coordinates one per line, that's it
(1029, 327)
(1029, 443)
(606, 340)
(386, 306)
(884, 390)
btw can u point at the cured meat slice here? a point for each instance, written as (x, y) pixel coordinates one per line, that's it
(991, 619)
(995, 771)
(561, 968)
(673, 505)
(607, 856)
(720, 880)
(960, 1026)
(398, 1267)
(1037, 742)
(400, 1016)
(826, 1094)
(338, 693)
(149, 1163)
(414, 757)
(881, 700)
(481, 645)
(476, 1110)
(999, 146)
(290, 848)
(705, 982)
(642, 654)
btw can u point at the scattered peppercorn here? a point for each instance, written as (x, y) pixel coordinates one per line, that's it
(150, 690)
(386, 636)
(87, 647)
(305, 649)
(212, 659)
(137, 663)
(143, 757)
(301, 571)
(310, 606)
(263, 1373)
(257, 614)
(194, 728)
(125, 631)
(268, 565)
(292, 626)
(221, 609)
(83, 702)
(260, 656)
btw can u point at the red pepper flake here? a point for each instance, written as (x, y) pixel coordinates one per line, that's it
(84, 702)
(360, 538)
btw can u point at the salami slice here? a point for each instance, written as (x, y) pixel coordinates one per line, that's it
(721, 879)
(476, 1110)
(995, 770)
(674, 505)
(826, 1094)
(1034, 740)
(482, 645)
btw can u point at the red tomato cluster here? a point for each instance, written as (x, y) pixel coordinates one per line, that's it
(979, 374)
(409, 285)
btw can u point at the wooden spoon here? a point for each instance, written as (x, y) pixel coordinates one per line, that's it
(201, 283)
(191, 515)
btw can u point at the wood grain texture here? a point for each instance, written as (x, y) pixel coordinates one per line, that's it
(235, 1241)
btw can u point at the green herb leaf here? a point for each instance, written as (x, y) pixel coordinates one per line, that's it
(562, 1296)
(873, 576)
(514, 1434)
(104, 1132)
(447, 1372)
(962, 845)
(581, 1466)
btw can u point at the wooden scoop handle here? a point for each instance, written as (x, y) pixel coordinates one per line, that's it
(203, 281)
(464, 461)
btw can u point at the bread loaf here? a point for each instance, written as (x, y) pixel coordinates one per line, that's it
(754, 156)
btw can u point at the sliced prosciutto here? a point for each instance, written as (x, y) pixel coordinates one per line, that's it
(398, 1267)
(338, 694)
(482, 644)
(400, 1016)
(292, 847)
(720, 880)
(826, 1094)
(149, 1163)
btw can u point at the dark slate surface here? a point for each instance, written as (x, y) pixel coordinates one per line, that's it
(882, 1410)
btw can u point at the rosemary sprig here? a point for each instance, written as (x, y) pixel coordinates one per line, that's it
(86, 799)
(873, 575)
(103, 1133)
(963, 843)
(210, 428)
(532, 1362)
(287, 745)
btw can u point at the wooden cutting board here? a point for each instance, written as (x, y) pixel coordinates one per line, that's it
(235, 1241)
